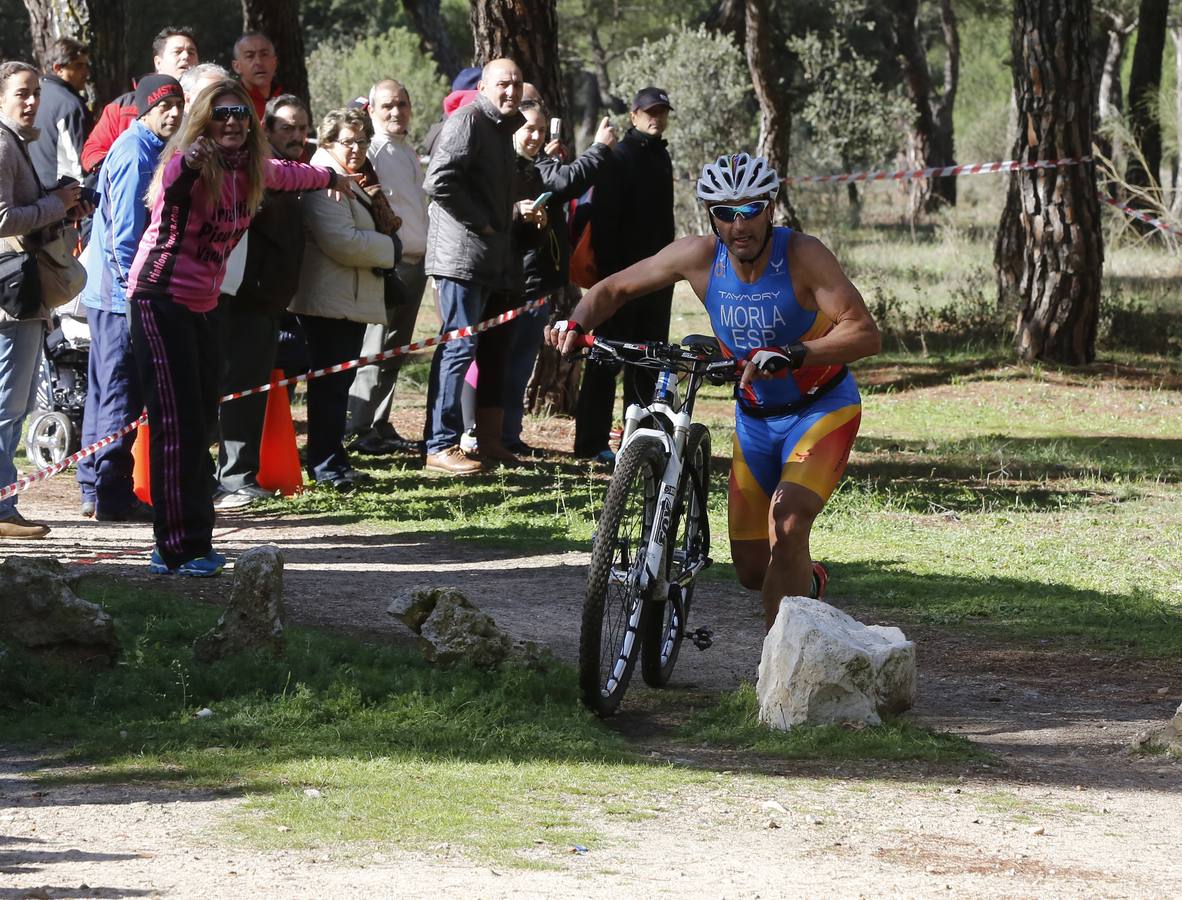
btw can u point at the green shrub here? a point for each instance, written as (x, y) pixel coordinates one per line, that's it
(714, 111)
(337, 73)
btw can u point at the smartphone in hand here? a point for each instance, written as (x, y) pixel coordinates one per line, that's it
(543, 199)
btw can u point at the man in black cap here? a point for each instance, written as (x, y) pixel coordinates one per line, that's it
(113, 395)
(631, 220)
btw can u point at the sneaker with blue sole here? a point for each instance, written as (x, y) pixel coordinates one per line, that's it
(202, 567)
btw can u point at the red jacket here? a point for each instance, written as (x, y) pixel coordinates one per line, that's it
(115, 119)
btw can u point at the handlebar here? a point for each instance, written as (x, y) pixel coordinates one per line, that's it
(697, 355)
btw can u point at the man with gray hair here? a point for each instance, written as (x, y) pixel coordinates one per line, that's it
(397, 166)
(196, 79)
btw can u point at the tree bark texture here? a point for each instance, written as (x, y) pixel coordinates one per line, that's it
(280, 21)
(553, 388)
(930, 141)
(100, 24)
(428, 25)
(775, 111)
(1144, 82)
(525, 31)
(1059, 258)
(1176, 36)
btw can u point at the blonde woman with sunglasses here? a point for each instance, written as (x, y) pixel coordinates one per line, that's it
(208, 185)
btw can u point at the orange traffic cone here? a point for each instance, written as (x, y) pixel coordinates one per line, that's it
(141, 471)
(279, 460)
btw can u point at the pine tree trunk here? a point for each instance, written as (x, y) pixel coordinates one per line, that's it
(554, 386)
(1176, 36)
(100, 24)
(1144, 82)
(930, 139)
(775, 112)
(433, 40)
(1059, 258)
(44, 27)
(280, 21)
(943, 151)
(525, 31)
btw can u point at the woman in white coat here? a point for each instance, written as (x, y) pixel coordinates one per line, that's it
(342, 289)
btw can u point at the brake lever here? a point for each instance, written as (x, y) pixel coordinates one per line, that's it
(722, 371)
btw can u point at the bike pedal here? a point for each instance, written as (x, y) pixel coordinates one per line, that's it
(702, 638)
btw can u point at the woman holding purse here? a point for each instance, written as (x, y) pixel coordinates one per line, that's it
(26, 208)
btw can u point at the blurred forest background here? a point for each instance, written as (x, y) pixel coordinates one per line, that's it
(821, 87)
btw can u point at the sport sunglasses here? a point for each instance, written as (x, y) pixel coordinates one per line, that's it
(729, 213)
(225, 113)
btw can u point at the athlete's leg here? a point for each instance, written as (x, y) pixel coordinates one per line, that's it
(790, 567)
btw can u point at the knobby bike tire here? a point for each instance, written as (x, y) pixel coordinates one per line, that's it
(613, 611)
(689, 538)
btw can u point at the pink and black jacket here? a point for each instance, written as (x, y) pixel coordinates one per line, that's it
(184, 250)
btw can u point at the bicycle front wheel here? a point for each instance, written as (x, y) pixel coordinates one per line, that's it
(614, 607)
(687, 545)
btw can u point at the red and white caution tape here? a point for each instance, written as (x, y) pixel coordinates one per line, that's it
(1009, 165)
(23, 484)
(458, 333)
(1143, 216)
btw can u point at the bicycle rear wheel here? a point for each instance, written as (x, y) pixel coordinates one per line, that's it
(687, 544)
(613, 608)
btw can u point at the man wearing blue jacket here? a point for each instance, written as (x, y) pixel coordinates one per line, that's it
(113, 396)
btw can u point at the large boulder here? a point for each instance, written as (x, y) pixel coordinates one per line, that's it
(1168, 737)
(254, 617)
(821, 666)
(451, 628)
(40, 612)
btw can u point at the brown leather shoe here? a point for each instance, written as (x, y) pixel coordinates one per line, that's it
(15, 525)
(453, 461)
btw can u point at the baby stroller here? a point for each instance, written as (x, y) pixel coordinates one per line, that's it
(55, 424)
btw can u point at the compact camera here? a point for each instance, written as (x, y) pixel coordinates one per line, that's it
(88, 195)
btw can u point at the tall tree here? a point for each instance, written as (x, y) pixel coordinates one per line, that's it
(1176, 36)
(1059, 257)
(1144, 83)
(931, 134)
(775, 112)
(1116, 20)
(526, 31)
(427, 23)
(100, 24)
(280, 21)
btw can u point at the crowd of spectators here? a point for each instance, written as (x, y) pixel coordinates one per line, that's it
(225, 242)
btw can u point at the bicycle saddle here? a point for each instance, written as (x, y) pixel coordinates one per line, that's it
(703, 343)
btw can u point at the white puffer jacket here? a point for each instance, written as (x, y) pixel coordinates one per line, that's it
(343, 248)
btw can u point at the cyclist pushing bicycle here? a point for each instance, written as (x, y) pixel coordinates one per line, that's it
(782, 307)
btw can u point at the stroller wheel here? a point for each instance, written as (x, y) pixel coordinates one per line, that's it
(50, 439)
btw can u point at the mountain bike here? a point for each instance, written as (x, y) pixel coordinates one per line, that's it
(653, 536)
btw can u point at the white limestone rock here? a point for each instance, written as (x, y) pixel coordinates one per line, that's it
(821, 667)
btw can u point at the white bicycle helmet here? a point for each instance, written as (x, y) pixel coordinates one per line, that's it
(737, 177)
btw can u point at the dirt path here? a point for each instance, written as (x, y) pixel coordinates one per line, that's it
(1066, 812)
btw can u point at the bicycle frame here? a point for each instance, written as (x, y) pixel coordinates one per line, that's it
(676, 416)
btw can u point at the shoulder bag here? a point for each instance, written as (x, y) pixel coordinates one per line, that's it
(60, 276)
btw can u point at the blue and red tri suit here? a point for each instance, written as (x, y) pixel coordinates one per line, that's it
(796, 428)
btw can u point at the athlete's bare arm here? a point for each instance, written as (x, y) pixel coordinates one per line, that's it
(688, 259)
(820, 283)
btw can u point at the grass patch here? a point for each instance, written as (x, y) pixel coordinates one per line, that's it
(505, 766)
(734, 723)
